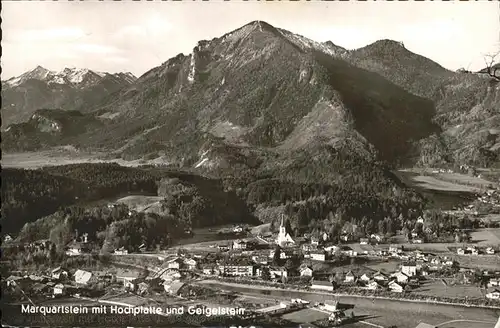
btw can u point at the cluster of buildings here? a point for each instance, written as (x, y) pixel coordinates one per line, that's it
(407, 275)
(473, 250)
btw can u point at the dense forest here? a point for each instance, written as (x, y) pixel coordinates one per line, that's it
(55, 201)
(337, 192)
(28, 195)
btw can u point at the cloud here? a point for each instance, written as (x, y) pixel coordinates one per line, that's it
(56, 34)
(153, 26)
(116, 59)
(95, 48)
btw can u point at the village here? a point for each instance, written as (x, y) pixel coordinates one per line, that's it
(369, 267)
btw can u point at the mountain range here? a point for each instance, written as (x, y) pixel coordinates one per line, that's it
(71, 88)
(260, 97)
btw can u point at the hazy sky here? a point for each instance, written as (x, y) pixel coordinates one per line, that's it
(136, 36)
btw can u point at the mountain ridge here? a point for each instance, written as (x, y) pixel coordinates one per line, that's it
(259, 85)
(70, 88)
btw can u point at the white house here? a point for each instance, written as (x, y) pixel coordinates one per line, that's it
(400, 277)
(490, 251)
(332, 249)
(284, 238)
(349, 277)
(59, 273)
(277, 273)
(239, 244)
(395, 287)
(7, 238)
(373, 285)
(363, 241)
(322, 285)
(377, 238)
(191, 264)
(175, 263)
(494, 295)
(173, 288)
(121, 251)
(379, 276)
(318, 256)
(74, 249)
(396, 249)
(461, 251)
(365, 278)
(314, 241)
(82, 277)
(409, 268)
(494, 282)
(306, 271)
(283, 255)
(330, 305)
(59, 290)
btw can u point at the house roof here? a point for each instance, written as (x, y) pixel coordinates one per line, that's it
(82, 276)
(278, 269)
(177, 259)
(349, 273)
(175, 286)
(10, 278)
(410, 263)
(425, 325)
(39, 286)
(322, 283)
(125, 273)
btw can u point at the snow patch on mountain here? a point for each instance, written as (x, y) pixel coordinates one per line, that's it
(72, 76)
(39, 73)
(308, 44)
(192, 69)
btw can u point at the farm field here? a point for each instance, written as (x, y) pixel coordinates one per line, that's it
(428, 247)
(386, 267)
(491, 262)
(129, 299)
(433, 183)
(305, 316)
(467, 324)
(64, 156)
(486, 237)
(464, 179)
(203, 238)
(437, 287)
(139, 202)
(491, 218)
(381, 312)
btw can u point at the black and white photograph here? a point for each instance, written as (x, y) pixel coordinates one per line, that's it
(240, 164)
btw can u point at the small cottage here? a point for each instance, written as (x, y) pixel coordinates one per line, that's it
(322, 285)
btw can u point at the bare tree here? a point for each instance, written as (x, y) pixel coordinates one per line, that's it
(492, 67)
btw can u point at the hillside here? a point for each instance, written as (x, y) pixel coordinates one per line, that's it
(467, 104)
(262, 88)
(34, 202)
(70, 89)
(49, 127)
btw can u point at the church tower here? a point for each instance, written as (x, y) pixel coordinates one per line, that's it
(284, 237)
(282, 226)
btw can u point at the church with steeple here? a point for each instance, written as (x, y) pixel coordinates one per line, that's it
(284, 238)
